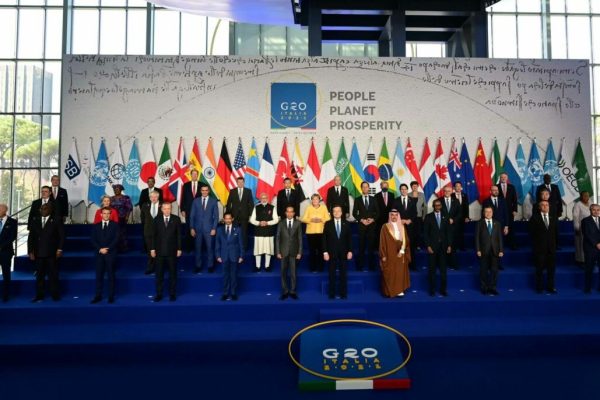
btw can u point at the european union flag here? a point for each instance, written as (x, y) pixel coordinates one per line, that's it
(467, 175)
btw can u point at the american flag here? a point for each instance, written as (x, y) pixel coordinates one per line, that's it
(239, 165)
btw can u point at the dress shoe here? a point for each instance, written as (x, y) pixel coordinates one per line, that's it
(37, 299)
(484, 291)
(331, 297)
(234, 297)
(255, 270)
(283, 296)
(5, 299)
(587, 291)
(55, 298)
(270, 269)
(343, 297)
(431, 293)
(224, 297)
(494, 292)
(444, 293)
(172, 297)
(96, 299)
(400, 295)
(111, 300)
(294, 296)
(211, 270)
(539, 291)
(157, 299)
(552, 291)
(500, 267)
(148, 272)
(197, 270)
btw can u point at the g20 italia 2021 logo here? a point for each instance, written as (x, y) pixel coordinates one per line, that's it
(293, 105)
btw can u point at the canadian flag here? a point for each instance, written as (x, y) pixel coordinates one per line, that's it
(441, 170)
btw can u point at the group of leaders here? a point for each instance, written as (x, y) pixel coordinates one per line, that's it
(390, 232)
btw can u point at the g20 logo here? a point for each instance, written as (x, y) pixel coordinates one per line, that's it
(293, 105)
(367, 352)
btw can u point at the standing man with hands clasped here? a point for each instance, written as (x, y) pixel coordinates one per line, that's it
(230, 253)
(337, 247)
(437, 236)
(366, 212)
(288, 247)
(489, 247)
(105, 237)
(204, 218)
(166, 250)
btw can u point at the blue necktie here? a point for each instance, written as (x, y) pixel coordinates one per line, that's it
(0, 225)
(489, 224)
(437, 218)
(337, 228)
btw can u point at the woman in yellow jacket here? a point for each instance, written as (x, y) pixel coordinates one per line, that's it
(315, 217)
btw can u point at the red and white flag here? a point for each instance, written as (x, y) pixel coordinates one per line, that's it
(312, 172)
(441, 170)
(266, 174)
(283, 168)
(411, 164)
(149, 166)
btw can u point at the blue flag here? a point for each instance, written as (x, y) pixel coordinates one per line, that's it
(513, 177)
(99, 176)
(455, 165)
(467, 175)
(551, 168)
(535, 170)
(523, 172)
(132, 174)
(252, 168)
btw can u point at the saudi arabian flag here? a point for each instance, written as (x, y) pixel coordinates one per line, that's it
(584, 183)
(496, 163)
(341, 166)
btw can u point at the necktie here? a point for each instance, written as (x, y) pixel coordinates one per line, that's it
(385, 198)
(546, 220)
(366, 201)
(338, 191)
(549, 188)
(0, 224)
(495, 203)
(447, 204)
(289, 225)
(104, 225)
(228, 231)
(404, 203)
(459, 197)
(337, 228)
(193, 189)
(204, 203)
(489, 224)
(240, 193)
(287, 194)
(504, 189)
(44, 221)
(437, 218)
(54, 190)
(595, 220)
(166, 222)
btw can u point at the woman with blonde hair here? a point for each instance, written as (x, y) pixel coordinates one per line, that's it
(315, 217)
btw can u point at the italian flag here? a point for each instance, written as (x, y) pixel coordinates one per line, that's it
(327, 172)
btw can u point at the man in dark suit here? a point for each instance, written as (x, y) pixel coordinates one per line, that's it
(166, 250)
(366, 213)
(288, 197)
(407, 206)
(288, 247)
(8, 235)
(44, 246)
(385, 202)
(463, 202)
(437, 237)
(500, 212)
(509, 193)
(337, 195)
(554, 209)
(46, 198)
(555, 199)
(190, 192)
(337, 245)
(488, 245)
(149, 211)
(452, 211)
(203, 228)
(229, 250)
(145, 193)
(543, 237)
(60, 197)
(240, 204)
(590, 227)
(105, 236)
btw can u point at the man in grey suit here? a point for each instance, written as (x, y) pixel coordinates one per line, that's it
(488, 244)
(288, 247)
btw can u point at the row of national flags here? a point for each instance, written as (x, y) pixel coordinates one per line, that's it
(90, 177)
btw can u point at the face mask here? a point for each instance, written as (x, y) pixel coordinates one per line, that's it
(384, 190)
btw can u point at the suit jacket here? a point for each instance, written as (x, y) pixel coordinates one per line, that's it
(486, 243)
(34, 211)
(166, 239)
(500, 212)
(145, 196)
(229, 248)
(201, 220)
(108, 237)
(187, 197)
(337, 248)
(410, 212)
(342, 200)
(288, 243)
(8, 235)
(543, 240)
(148, 219)
(241, 209)
(464, 205)
(455, 210)
(510, 197)
(61, 201)
(438, 238)
(44, 242)
(555, 199)
(591, 235)
(383, 209)
(360, 211)
(283, 202)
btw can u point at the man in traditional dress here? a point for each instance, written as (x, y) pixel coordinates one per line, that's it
(264, 218)
(394, 252)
